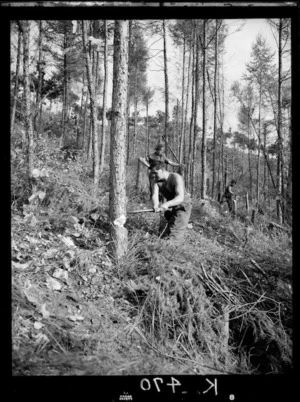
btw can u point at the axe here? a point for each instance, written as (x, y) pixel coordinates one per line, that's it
(144, 210)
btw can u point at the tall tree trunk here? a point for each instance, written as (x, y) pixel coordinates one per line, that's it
(24, 27)
(185, 117)
(85, 118)
(196, 104)
(222, 131)
(176, 135)
(233, 160)
(16, 88)
(103, 136)
(249, 160)
(91, 89)
(117, 195)
(203, 150)
(279, 128)
(65, 89)
(265, 164)
(258, 148)
(128, 98)
(166, 88)
(220, 98)
(289, 200)
(40, 68)
(147, 128)
(189, 166)
(226, 169)
(215, 112)
(181, 143)
(135, 113)
(90, 139)
(79, 129)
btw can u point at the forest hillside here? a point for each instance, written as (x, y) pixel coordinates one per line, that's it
(96, 290)
(219, 304)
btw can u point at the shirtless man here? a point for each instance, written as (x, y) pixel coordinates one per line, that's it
(171, 187)
(152, 159)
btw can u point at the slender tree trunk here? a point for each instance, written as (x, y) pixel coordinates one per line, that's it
(194, 145)
(226, 170)
(65, 90)
(79, 130)
(90, 139)
(203, 156)
(279, 128)
(91, 89)
(138, 174)
(215, 111)
(103, 135)
(85, 122)
(189, 170)
(250, 170)
(182, 134)
(176, 135)
(258, 149)
(265, 164)
(185, 116)
(128, 93)
(24, 27)
(135, 114)
(222, 133)
(40, 68)
(117, 195)
(233, 161)
(220, 98)
(16, 88)
(147, 128)
(289, 199)
(166, 88)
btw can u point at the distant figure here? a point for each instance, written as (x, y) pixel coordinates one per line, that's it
(151, 160)
(228, 197)
(70, 152)
(171, 186)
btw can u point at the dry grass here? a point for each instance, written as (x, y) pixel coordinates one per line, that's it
(219, 304)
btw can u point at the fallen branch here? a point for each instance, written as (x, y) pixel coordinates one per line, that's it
(273, 224)
(248, 280)
(260, 269)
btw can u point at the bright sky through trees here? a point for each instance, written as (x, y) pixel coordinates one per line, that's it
(242, 35)
(237, 53)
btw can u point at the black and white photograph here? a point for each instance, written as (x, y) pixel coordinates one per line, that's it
(151, 190)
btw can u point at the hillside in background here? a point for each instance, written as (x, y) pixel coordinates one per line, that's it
(222, 303)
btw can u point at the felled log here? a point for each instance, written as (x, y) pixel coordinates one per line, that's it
(273, 225)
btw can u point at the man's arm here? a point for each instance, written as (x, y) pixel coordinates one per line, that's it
(174, 164)
(179, 194)
(230, 188)
(155, 198)
(144, 162)
(169, 162)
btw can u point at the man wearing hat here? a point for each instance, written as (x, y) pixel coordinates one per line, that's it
(157, 156)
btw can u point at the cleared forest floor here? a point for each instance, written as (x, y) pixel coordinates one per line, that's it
(221, 303)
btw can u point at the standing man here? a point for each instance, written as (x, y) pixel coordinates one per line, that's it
(178, 206)
(228, 197)
(151, 160)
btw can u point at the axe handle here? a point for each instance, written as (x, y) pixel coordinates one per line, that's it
(164, 138)
(143, 210)
(140, 210)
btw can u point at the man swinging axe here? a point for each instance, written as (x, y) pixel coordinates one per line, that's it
(171, 187)
(152, 159)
